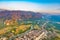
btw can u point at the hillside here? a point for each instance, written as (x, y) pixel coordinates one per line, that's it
(16, 14)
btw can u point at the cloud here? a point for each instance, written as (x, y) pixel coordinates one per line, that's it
(29, 6)
(58, 9)
(20, 6)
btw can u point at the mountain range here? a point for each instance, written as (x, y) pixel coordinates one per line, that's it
(18, 14)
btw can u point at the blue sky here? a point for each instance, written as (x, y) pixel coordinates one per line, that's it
(37, 1)
(51, 6)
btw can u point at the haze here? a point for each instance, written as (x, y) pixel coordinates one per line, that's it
(31, 6)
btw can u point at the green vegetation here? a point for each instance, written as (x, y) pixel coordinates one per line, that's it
(15, 27)
(55, 38)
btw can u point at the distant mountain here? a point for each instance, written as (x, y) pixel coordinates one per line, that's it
(52, 17)
(18, 14)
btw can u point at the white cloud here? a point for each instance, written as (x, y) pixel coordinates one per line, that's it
(28, 6)
(20, 6)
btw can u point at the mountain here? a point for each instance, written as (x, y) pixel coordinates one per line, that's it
(52, 17)
(18, 14)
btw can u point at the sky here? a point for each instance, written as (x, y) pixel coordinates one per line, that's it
(49, 6)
